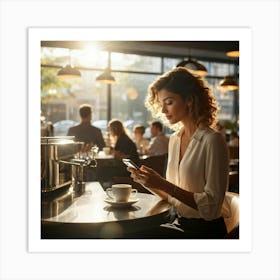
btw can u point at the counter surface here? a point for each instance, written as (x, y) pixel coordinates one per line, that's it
(89, 216)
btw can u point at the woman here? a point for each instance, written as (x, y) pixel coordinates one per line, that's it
(197, 170)
(141, 142)
(124, 146)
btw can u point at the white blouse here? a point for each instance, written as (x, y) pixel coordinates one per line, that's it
(203, 170)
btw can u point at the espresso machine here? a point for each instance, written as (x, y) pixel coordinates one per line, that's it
(62, 172)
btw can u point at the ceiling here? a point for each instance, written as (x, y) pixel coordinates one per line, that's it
(212, 50)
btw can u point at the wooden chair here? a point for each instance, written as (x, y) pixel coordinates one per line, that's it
(232, 223)
(233, 152)
(233, 184)
(158, 163)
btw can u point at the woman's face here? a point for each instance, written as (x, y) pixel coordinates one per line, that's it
(173, 106)
(111, 130)
(137, 134)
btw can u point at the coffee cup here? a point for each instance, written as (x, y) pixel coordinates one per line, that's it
(121, 192)
(106, 150)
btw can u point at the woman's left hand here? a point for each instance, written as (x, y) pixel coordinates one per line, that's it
(146, 176)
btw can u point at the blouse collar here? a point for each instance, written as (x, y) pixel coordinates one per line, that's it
(198, 134)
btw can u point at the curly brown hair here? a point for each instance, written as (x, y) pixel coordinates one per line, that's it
(190, 87)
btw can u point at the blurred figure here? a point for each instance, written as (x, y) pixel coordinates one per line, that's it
(159, 142)
(142, 143)
(85, 131)
(220, 127)
(234, 139)
(124, 146)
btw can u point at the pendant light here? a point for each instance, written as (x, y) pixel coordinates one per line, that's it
(106, 77)
(194, 66)
(228, 83)
(234, 53)
(68, 71)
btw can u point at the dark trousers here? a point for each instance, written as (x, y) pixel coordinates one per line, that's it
(202, 229)
(186, 229)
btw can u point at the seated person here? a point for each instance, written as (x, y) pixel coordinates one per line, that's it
(197, 170)
(124, 146)
(85, 132)
(221, 128)
(159, 142)
(234, 139)
(141, 142)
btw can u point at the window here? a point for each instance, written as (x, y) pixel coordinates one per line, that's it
(133, 74)
(133, 62)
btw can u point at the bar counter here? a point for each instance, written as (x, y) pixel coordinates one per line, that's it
(89, 216)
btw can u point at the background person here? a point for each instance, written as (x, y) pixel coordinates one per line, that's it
(124, 146)
(90, 135)
(197, 170)
(221, 128)
(141, 142)
(159, 142)
(234, 139)
(85, 131)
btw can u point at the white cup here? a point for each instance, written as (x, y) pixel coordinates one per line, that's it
(106, 150)
(121, 192)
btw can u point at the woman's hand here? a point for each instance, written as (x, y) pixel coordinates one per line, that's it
(146, 177)
(150, 180)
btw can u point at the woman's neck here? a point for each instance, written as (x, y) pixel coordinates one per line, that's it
(189, 128)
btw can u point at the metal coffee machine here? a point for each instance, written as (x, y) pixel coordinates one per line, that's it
(62, 173)
(60, 166)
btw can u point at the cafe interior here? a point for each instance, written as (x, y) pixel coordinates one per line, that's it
(78, 185)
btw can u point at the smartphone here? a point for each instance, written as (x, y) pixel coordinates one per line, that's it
(128, 162)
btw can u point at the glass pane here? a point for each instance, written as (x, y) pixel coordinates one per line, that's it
(128, 97)
(69, 95)
(55, 56)
(169, 63)
(90, 58)
(224, 99)
(133, 62)
(220, 69)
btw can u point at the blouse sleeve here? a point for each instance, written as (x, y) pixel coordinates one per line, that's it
(209, 202)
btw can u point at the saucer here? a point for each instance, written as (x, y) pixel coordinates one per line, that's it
(121, 204)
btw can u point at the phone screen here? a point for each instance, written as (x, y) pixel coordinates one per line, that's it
(130, 163)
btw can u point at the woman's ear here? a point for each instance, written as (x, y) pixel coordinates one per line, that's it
(188, 104)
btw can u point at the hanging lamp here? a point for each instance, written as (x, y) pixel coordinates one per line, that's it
(194, 66)
(228, 83)
(234, 53)
(68, 72)
(106, 77)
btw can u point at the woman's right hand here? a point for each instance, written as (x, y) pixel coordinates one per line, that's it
(149, 179)
(146, 176)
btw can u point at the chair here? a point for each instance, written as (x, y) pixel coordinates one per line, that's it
(232, 223)
(233, 184)
(158, 163)
(233, 152)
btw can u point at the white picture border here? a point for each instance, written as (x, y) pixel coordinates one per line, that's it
(241, 34)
